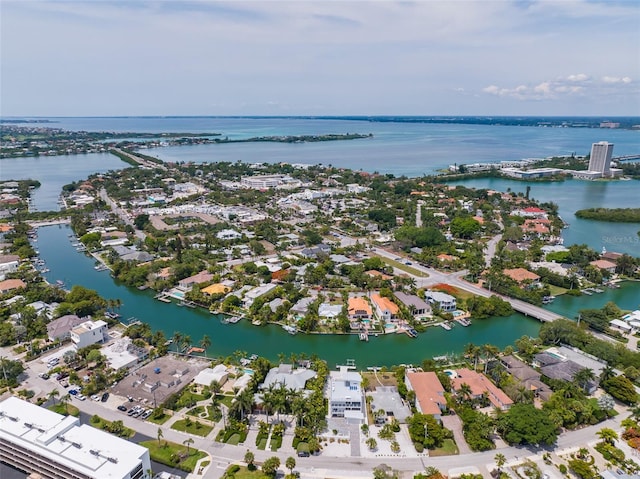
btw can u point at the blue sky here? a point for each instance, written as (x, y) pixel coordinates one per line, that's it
(94, 58)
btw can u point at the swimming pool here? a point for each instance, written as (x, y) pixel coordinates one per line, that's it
(389, 325)
(248, 371)
(178, 294)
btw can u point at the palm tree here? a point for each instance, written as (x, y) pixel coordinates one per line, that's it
(205, 342)
(607, 435)
(501, 460)
(490, 352)
(290, 464)
(159, 435)
(465, 392)
(583, 377)
(186, 342)
(64, 400)
(473, 352)
(607, 373)
(243, 402)
(188, 442)
(53, 395)
(177, 340)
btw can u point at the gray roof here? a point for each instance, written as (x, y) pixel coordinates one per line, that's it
(412, 300)
(302, 305)
(137, 256)
(288, 377)
(63, 325)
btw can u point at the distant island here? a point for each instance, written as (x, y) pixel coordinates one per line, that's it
(612, 215)
(22, 141)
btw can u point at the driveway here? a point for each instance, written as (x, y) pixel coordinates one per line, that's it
(454, 424)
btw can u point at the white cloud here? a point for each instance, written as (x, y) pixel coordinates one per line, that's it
(608, 79)
(580, 77)
(561, 88)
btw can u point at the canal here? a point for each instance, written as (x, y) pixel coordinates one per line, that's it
(72, 267)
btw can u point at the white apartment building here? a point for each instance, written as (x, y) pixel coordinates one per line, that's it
(263, 182)
(36, 440)
(444, 301)
(600, 159)
(89, 332)
(345, 394)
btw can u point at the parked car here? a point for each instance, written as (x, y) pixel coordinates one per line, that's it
(131, 412)
(303, 454)
(95, 397)
(146, 414)
(82, 397)
(73, 392)
(122, 408)
(104, 397)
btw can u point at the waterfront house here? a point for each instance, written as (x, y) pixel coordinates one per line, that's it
(88, 333)
(480, 385)
(285, 376)
(604, 265)
(445, 302)
(253, 294)
(329, 311)
(8, 264)
(218, 373)
(429, 393)
(522, 276)
(60, 328)
(555, 365)
(526, 376)
(416, 305)
(386, 310)
(11, 284)
(359, 308)
(301, 307)
(199, 278)
(345, 395)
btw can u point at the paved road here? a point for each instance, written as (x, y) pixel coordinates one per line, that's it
(490, 249)
(455, 279)
(121, 213)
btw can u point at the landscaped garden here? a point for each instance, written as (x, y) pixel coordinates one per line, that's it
(171, 454)
(192, 427)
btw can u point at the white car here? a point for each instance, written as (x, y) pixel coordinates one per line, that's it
(95, 397)
(82, 397)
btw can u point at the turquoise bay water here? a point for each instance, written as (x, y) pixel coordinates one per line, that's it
(54, 172)
(72, 267)
(401, 149)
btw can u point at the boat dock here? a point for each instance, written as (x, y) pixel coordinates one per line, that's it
(163, 296)
(446, 326)
(463, 321)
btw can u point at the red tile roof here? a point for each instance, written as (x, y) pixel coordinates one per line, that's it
(429, 392)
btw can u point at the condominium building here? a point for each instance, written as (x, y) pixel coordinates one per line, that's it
(600, 159)
(36, 440)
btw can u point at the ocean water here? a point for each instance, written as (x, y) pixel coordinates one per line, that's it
(410, 149)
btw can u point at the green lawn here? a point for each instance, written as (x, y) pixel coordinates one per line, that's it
(449, 448)
(69, 410)
(262, 444)
(105, 425)
(226, 400)
(404, 267)
(161, 420)
(245, 473)
(194, 427)
(234, 439)
(556, 290)
(169, 453)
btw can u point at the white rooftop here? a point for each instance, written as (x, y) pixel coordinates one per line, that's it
(83, 448)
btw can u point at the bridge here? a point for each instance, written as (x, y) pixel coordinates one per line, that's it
(37, 224)
(626, 158)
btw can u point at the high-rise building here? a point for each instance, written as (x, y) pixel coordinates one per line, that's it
(600, 159)
(36, 440)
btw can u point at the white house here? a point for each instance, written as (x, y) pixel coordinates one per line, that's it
(8, 264)
(346, 397)
(253, 294)
(88, 333)
(444, 301)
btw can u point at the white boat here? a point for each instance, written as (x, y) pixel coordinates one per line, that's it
(446, 326)
(290, 329)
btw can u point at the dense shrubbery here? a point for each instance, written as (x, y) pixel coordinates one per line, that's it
(614, 215)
